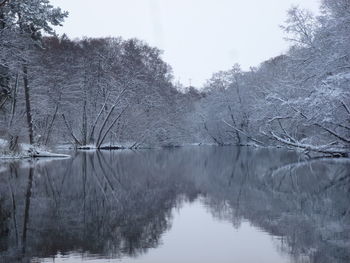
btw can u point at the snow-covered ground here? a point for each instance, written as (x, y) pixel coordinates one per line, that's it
(27, 151)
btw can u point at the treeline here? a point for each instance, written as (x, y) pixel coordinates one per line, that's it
(298, 100)
(120, 92)
(96, 92)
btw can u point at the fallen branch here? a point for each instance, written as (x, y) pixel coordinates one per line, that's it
(319, 149)
(317, 124)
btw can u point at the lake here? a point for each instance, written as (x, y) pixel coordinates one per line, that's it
(192, 204)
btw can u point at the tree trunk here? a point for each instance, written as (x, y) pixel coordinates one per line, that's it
(84, 125)
(51, 125)
(109, 128)
(69, 128)
(14, 101)
(28, 106)
(92, 132)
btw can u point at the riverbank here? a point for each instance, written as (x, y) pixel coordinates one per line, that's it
(24, 151)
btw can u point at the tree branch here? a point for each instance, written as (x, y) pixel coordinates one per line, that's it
(333, 133)
(108, 116)
(70, 130)
(319, 149)
(110, 127)
(345, 107)
(244, 133)
(96, 121)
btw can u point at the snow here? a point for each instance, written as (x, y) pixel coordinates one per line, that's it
(27, 151)
(45, 154)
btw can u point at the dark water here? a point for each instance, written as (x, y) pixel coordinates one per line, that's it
(203, 204)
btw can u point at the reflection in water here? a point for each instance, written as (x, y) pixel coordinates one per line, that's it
(123, 205)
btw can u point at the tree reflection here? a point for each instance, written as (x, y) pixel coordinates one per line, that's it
(120, 203)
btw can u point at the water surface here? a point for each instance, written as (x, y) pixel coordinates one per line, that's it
(201, 204)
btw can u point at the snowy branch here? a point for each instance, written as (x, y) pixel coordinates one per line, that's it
(320, 149)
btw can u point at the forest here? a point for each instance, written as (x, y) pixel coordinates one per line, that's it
(114, 93)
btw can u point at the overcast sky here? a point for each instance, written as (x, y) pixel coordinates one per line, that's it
(198, 37)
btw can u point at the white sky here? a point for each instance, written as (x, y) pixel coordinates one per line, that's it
(199, 37)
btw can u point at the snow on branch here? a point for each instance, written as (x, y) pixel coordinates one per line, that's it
(320, 149)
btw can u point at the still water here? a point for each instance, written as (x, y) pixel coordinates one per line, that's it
(203, 204)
